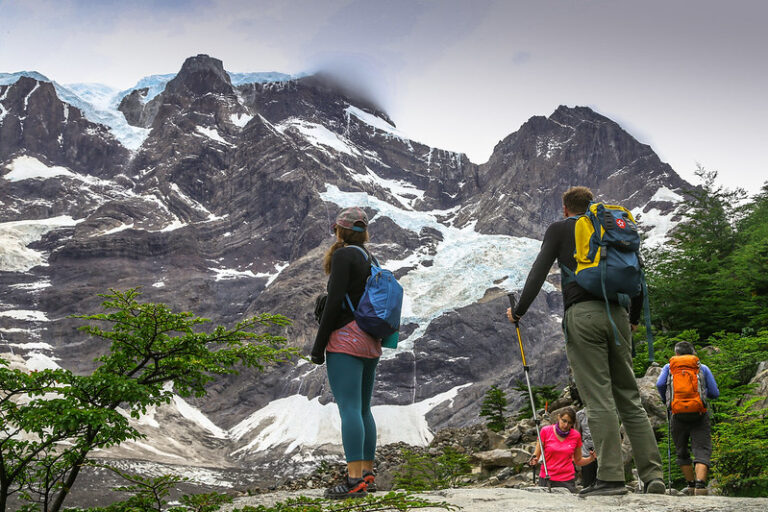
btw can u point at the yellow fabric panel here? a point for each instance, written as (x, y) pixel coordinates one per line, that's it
(593, 209)
(582, 233)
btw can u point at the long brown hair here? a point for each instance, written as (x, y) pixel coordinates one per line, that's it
(344, 237)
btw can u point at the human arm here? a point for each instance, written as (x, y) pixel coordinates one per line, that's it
(712, 390)
(661, 383)
(538, 273)
(536, 455)
(635, 310)
(338, 283)
(580, 460)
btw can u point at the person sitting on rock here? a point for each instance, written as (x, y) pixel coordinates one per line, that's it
(562, 449)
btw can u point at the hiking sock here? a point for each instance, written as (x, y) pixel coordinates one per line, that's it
(348, 488)
(701, 488)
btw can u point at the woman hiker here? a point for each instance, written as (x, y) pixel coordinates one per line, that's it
(562, 449)
(350, 354)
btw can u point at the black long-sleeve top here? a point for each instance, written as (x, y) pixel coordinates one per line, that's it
(349, 272)
(559, 244)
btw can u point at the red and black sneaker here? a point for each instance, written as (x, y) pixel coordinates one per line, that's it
(370, 480)
(349, 488)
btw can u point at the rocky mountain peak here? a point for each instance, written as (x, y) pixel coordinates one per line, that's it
(200, 75)
(572, 116)
(572, 146)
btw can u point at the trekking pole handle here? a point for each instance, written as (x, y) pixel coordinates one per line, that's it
(512, 301)
(511, 297)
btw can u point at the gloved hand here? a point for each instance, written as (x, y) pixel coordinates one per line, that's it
(318, 358)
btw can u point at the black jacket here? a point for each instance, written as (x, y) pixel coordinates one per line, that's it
(349, 272)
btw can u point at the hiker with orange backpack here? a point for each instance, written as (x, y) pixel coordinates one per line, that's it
(685, 385)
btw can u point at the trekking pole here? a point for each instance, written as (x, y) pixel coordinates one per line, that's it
(669, 456)
(536, 420)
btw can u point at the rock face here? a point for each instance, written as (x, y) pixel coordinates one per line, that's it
(35, 121)
(225, 208)
(527, 173)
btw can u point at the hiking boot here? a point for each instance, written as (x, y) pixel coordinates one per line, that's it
(690, 489)
(349, 488)
(701, 488)
(603, 488)
(370, 481)
(655, 486)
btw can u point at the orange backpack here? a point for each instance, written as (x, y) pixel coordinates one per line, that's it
(686, 393)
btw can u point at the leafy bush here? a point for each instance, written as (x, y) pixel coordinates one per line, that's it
(493, 408)
(424, 472)
(151, 495)
(740, 462)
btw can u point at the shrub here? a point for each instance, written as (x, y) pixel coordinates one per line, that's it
(740, 461)
(424, 472)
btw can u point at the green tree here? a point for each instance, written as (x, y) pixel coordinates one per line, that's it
(744, 277)
(51, 420)
(493, 408)
(683, 275)
(541, 395)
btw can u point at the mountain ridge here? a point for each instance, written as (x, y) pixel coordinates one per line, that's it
(224, 209)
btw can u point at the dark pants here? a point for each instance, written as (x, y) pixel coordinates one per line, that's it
(698, 432)
(568, 484)
(589, 474)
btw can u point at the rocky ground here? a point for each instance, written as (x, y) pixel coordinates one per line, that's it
(539, 500)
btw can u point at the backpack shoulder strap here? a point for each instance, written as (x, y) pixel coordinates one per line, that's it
(366, 254)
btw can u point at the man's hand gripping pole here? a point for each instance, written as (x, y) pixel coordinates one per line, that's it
(530, 392)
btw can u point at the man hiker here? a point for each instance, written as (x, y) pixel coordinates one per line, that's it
(689, 384)
(601, 361)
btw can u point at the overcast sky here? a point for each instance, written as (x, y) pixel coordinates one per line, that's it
(688, 77)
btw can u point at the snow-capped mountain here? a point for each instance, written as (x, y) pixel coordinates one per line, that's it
(214, 192)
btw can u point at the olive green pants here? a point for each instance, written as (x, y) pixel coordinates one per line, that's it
(607, 385)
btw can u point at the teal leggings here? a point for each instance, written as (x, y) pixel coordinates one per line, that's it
(351, 381)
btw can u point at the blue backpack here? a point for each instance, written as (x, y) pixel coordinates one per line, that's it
(378, 312)
(608, 262)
